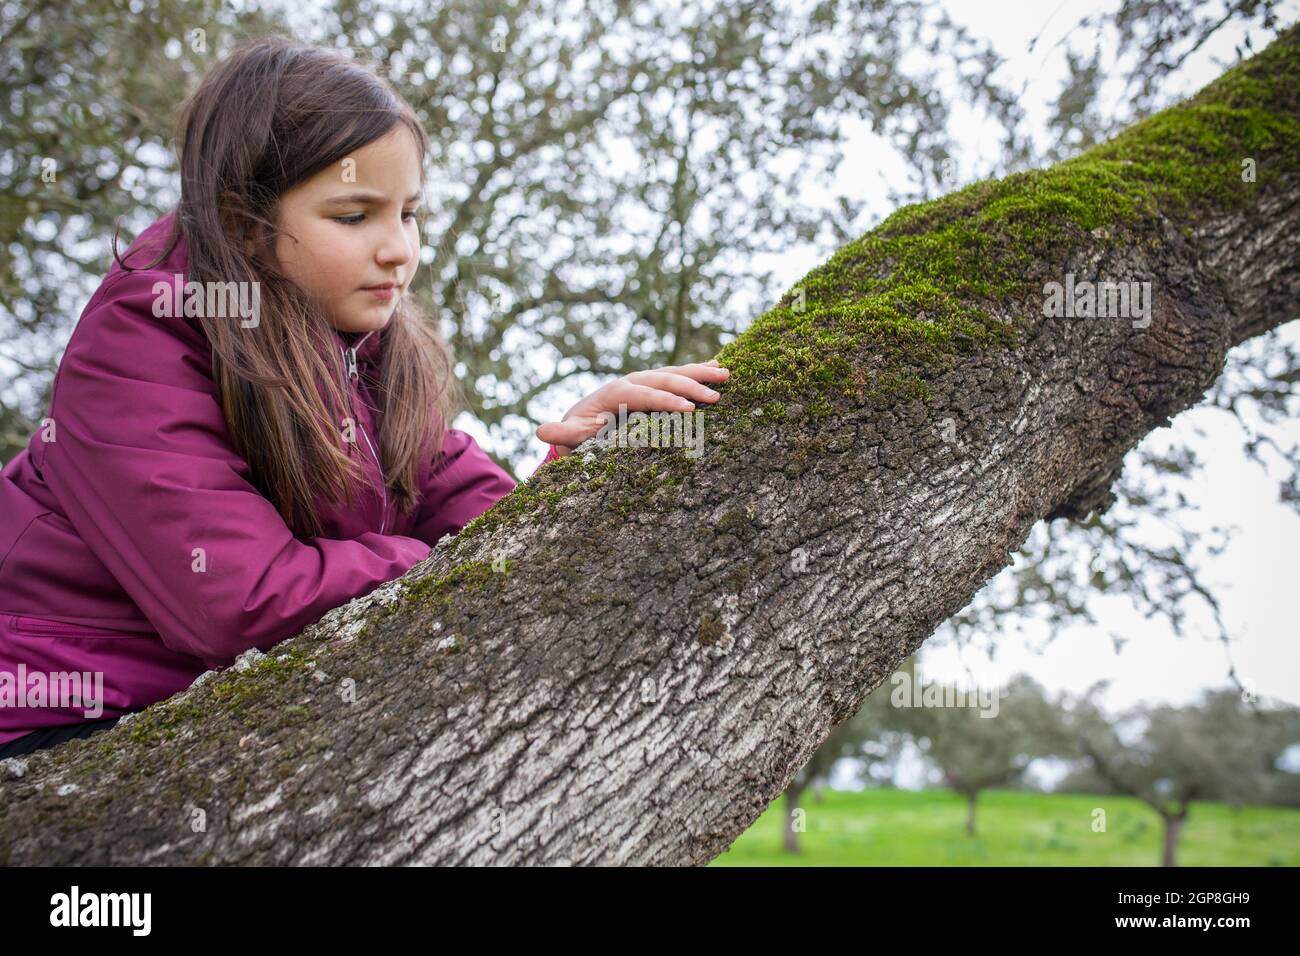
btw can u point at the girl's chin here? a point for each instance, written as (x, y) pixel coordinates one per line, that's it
(366, 321)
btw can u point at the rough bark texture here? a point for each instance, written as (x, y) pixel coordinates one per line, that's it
(627, 659)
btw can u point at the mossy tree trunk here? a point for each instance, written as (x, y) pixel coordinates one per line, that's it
(628, 658)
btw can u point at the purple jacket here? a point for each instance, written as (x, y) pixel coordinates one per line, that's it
(103, 515)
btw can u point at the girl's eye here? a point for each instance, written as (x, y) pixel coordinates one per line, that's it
(353, 220)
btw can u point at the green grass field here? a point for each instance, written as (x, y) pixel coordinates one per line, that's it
(1013, 828)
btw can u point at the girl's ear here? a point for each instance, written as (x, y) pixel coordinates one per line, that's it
(250, 246)
(235, 221)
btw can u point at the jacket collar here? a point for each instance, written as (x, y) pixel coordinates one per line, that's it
(367, 344)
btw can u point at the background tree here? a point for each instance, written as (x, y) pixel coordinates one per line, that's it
(87, 93)
(973, 752)
(1220, 748)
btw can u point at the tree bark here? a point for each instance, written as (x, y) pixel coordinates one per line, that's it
(671, 639)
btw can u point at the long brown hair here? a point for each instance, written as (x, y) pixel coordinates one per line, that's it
(272, 113)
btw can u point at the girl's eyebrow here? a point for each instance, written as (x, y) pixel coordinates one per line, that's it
(363, 198)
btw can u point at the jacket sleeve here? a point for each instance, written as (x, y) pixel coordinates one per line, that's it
(462, 485)
(144, 468)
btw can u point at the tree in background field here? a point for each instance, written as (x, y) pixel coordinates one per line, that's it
(1221, 748)
(978, 738)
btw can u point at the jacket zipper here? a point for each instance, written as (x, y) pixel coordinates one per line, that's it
(36, 625)
(350, 361)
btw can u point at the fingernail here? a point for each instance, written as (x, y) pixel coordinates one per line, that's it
(711, 393)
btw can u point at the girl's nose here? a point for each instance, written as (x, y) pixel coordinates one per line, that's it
(395, 251)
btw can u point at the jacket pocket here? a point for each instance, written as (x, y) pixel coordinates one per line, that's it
(44, 627)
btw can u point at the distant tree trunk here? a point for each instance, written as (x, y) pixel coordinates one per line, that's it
(672, 638)
(792, 794)
(1173, 828)
(971, 797)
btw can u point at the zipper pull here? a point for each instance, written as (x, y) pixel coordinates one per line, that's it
(352, 362)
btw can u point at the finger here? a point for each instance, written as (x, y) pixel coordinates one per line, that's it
(567, 435)
(644, 398)
(677, 384)
(711, 371)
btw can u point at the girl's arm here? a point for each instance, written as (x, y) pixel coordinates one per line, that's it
(142, 465)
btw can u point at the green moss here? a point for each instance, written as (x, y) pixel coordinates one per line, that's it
(637, 481)
(162, 721)
(920, 289)
(441, 591)
(530, 497)
(734, 521)
(736, 577)
(229, 693)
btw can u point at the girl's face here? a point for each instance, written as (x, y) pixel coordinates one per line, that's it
(352, 226)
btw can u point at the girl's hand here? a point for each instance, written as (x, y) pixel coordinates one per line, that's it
(666, 389)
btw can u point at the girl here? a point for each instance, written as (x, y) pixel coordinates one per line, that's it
(249, 424)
